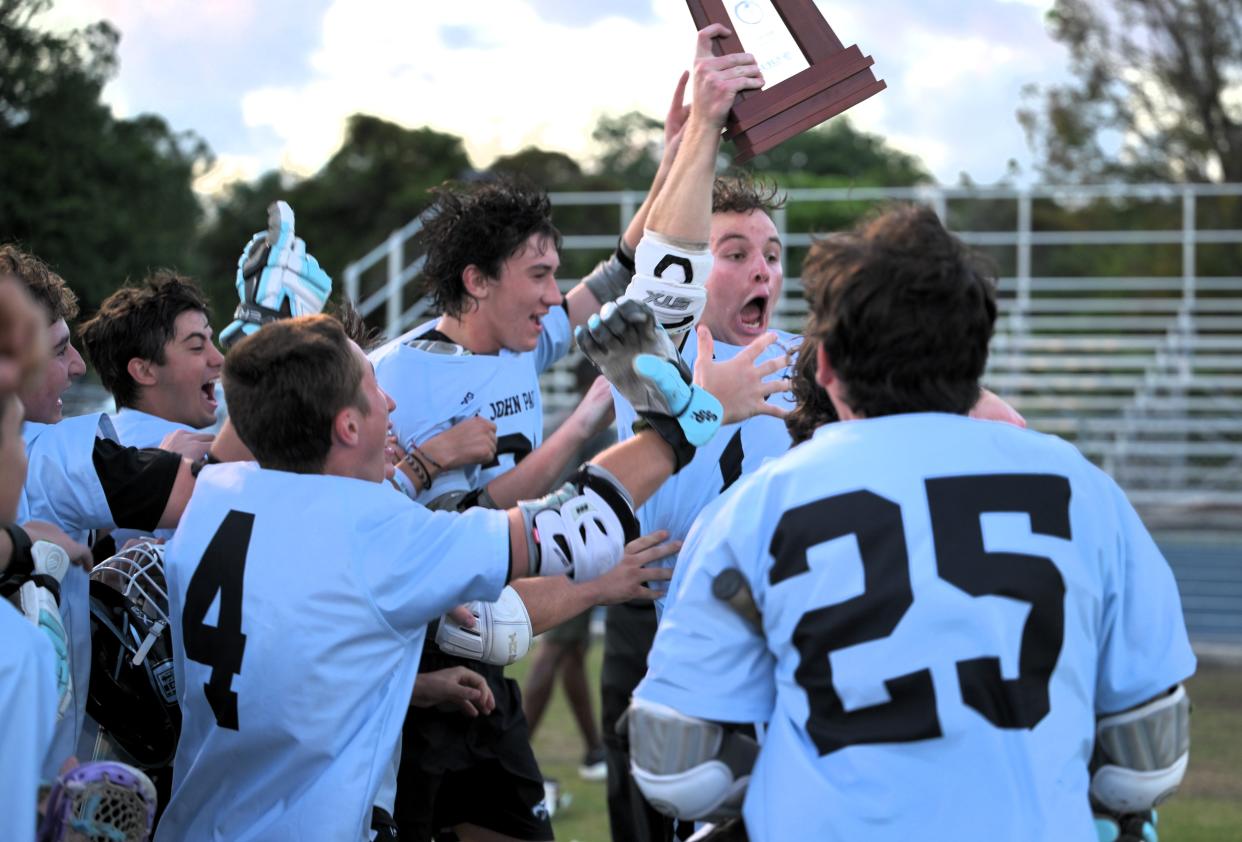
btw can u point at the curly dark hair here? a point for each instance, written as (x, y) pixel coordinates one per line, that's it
(137, 321)
(743, 193)
(904, 311)
(482, 225)
(813, 407)
(48, 289)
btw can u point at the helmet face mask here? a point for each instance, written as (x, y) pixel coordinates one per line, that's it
(133, 695)
(138, 574)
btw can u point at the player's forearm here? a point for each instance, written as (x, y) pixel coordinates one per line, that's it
(683, 209)
(634, 230)
(552, 600)
(228, 446)
(179, 497)
(641, 464)
(535, 475)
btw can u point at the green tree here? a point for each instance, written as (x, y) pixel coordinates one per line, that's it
(100, 199)
(375, 183)
(629, 145)
(1157, 94)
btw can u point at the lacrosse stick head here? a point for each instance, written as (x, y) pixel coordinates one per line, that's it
(104, 801)
(133, 695)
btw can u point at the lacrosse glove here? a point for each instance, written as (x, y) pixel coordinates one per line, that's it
(276, 278)
(638, 358)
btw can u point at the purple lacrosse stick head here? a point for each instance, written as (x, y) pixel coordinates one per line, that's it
(103, 801)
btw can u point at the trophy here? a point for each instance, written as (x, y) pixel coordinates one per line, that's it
(810, 76)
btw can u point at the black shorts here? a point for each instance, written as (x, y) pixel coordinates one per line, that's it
(487, 795)
(479, 771)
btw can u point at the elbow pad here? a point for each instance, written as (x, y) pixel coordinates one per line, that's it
(501, 633)
(669, 280)
(580, 529)
(688, 767)
(1141, 754)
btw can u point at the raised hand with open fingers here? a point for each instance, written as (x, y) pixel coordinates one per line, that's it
(739, 383)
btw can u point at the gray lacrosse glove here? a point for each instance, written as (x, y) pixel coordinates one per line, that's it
(638, 358)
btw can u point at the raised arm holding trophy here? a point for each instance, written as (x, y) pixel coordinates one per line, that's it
(811, 76)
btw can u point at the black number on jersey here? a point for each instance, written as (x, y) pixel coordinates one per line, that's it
(731, 459)
(220, 571)
(514, 443)
(956, 505)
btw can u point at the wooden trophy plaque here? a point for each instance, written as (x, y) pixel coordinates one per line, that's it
(810, 75)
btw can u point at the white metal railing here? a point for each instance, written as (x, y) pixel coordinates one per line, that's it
(1115, 350)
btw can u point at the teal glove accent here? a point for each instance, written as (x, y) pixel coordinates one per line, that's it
(50, 624)
(1138, 827)
(695, 409)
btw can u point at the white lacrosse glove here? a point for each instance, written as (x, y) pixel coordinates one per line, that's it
(637, 356)
(581, 528)
(39, 601)
(669, 280)
(501, 634)
(276, 278)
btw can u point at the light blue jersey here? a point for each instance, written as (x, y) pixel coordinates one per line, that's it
(298, 605)
(28, 700)
(947, 605)
(135, 428)
(438, 384)
(735, 451)
(63, 488)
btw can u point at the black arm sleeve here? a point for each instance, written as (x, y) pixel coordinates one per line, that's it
(137, 483)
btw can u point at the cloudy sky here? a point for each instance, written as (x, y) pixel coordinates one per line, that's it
(270, 82)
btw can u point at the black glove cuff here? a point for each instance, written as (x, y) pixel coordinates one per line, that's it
(255, 314)
(609, 280)
(671, 432)
(625, 255)
(21, 563)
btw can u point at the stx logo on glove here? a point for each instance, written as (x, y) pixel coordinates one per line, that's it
(669, 302)
(705, 415)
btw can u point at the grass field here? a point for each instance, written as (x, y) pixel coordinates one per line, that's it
(1207, 809)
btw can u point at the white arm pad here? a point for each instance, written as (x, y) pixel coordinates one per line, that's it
(669, 279)
(685, 766)
(41, 607)
(580, 529)
(1142, 754)
(500, 636)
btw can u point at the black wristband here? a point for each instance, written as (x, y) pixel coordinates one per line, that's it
(196, 467)
(21, 562)
(624, 256)
(671, 432)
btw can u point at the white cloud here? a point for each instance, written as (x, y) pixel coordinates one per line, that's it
(225, 170)
(519, 79)
(503, 75)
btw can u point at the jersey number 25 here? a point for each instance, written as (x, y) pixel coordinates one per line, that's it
(956, 504)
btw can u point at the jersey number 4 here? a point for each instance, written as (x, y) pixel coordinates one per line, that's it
(956, 505)
(220, 571)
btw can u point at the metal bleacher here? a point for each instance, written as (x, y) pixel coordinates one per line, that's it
(1142, 372)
